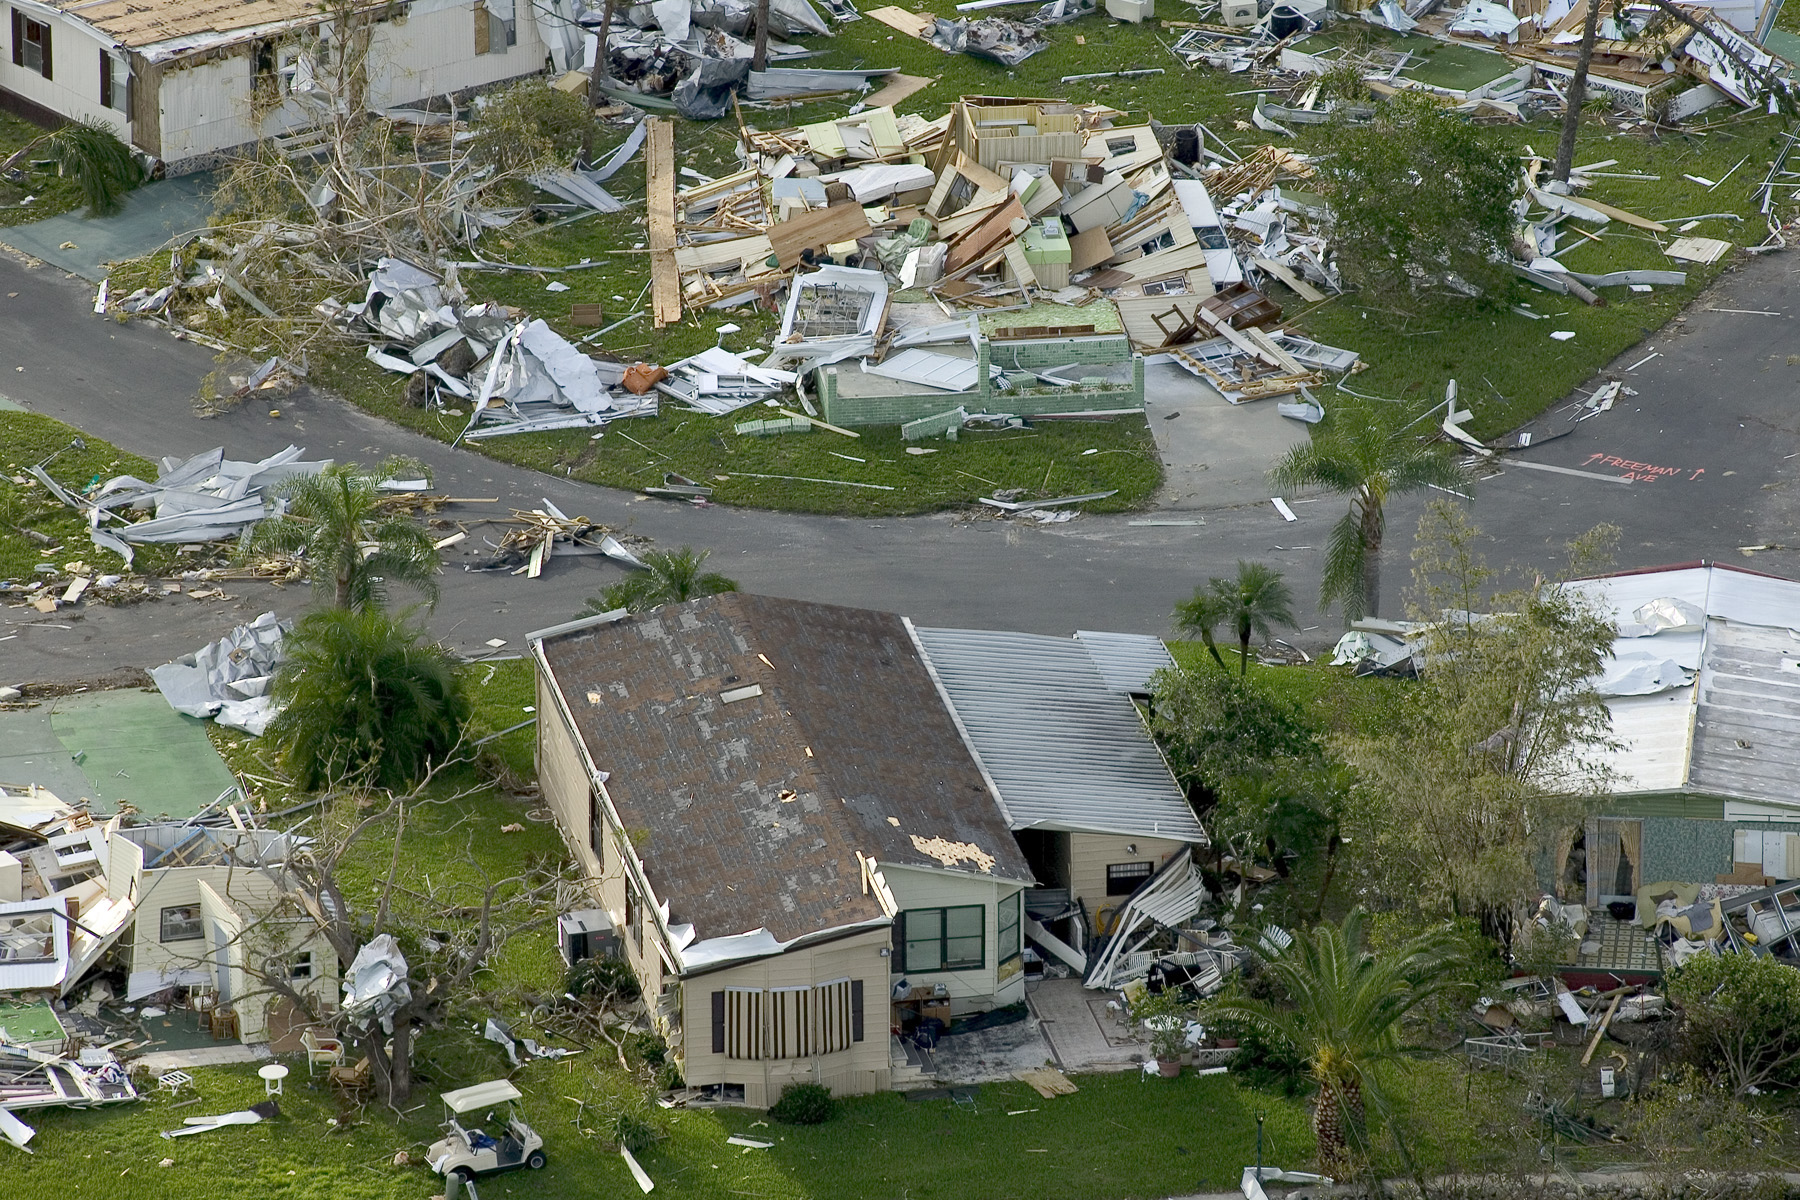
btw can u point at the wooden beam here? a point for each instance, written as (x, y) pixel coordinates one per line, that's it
(659, 191)
(1601, 1031)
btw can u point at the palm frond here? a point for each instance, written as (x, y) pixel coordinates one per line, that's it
(1345, 558)
(101, 165)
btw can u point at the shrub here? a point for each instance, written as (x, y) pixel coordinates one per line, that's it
(604, 977)
(804, 1104)
(632, 1127)
(367, 701)
(1740, 1020)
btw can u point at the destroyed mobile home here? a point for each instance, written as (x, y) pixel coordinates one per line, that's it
(174, 913)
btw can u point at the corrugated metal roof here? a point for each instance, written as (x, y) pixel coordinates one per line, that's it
(1125, 660)
(1064, 750)
(1744, 707)
(1747, 730)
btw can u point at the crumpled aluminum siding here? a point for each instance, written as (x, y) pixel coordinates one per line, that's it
(1126, 661)
(1065, 751)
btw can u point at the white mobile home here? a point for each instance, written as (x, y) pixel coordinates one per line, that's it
(188, 81)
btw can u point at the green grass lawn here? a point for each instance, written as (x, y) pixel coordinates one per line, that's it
(1334, 700)
(27, 439)
(50, 194)
(1118, 1137)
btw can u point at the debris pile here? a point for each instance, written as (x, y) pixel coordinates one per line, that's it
(540, 531)
(200, 499)
(229, 679)
(1650, 63)
(516, 375)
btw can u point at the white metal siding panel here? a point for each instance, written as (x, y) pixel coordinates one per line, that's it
(73, 90)
(1064, 750)
(1747, 729)
(432, 53)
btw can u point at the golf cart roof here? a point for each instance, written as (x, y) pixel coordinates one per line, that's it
(480, 1095)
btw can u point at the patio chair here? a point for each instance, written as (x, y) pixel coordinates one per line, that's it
(351, 1080)
(327, 1050)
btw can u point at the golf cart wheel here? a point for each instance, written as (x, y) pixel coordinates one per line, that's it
(464, 1174)
(536, 1161)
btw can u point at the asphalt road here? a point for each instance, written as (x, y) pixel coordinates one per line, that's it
(1710, 439)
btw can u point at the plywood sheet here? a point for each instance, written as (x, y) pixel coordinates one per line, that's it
(898, 88)
(811, 230)
(894, 17)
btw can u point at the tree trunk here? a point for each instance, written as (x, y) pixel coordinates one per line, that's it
(596, 97)
(1212, 648)
(1565, 149)
(1331, 850)
(1371, 539)
(760, 60)
(390, 1056)
(1338, 1126)
(1243, 650)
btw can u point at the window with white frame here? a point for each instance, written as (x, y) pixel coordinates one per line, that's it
(181, 923)
(31, 44)
(301, 965)
(115, 82)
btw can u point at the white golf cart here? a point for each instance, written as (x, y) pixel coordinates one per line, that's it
(469, 1150)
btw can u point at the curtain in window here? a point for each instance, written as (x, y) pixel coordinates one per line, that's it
(744, 1023)
(791, 1023)
(835, 1017)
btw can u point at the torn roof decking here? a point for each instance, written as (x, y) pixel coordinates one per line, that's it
(847, 725)
(1734, 732)
(175, 26)
(1064, 748)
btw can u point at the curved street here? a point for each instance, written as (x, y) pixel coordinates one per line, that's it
(1712, 437)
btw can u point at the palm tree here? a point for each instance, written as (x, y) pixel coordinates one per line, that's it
(1202, 615)
(1256, 599)
(337, 521)
(669, 577)
(1354, 453)
(1343, 1013)
(366, 700)
(101, 165)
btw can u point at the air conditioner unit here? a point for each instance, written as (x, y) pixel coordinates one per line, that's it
(1239, 14)
(586, 933)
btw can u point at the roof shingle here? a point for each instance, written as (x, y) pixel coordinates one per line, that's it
(748, 814)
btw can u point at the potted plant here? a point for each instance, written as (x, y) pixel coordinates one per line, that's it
(1165, 1016)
